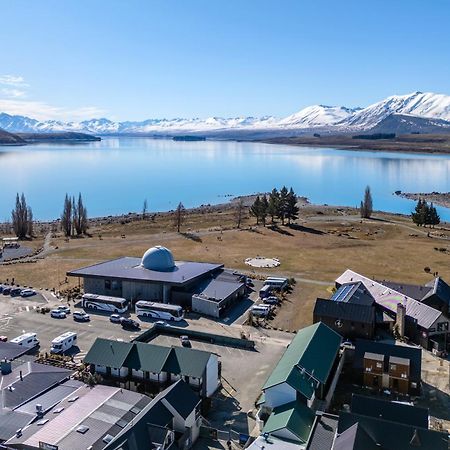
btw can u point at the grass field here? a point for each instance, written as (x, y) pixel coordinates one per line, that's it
(323, 243)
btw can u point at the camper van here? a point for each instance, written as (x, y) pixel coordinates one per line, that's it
(265, 291)
(28, 340)
(260, 310)
(64, 342)
(280, 284)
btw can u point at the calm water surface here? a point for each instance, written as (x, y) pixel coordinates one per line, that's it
(116, 175)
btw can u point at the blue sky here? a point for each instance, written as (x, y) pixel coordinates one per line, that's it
(137, 59)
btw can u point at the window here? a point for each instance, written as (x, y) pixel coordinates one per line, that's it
(393, 367)
(379, 365)
(82, 429)
(443, 326)
(107, 284)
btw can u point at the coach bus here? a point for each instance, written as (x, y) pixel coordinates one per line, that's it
(104, 303)
(159, 310)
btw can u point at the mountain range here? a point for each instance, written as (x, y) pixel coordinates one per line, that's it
(415, 112)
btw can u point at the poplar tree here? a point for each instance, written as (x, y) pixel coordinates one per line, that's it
(366, 207)
(66, 216)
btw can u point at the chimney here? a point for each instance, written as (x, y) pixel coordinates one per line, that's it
(39, 410)
(5, 367)
(400, 320)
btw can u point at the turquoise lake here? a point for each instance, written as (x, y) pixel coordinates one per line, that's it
(117, 174)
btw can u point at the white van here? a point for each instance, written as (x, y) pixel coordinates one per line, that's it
(62, 343)
(260, 310)
(28, 340)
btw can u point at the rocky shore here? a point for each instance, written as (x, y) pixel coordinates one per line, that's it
(438, 198)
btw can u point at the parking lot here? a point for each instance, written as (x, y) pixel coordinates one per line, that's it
(243, 374)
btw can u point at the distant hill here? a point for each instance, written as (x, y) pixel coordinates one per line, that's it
(10, 138)
(67, 136)
(406, 124)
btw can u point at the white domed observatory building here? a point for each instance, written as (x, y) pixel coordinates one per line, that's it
(205, 288)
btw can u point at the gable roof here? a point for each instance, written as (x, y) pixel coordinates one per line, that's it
(148, 357)
(389, 299)
(414, 354)
(354, 438)
(345, 311)
(395, 412)
(322, 434)
(354, 292)
(182, 398)
(390, 435)
(310, 355)
(439, 288)
(109, 353)
(11, 350)
(295, 417)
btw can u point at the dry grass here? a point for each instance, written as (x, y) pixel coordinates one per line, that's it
(318, 250)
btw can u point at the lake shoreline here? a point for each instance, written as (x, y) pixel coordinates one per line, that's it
(437, 198)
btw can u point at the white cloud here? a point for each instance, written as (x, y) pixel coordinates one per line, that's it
(43, 111)
(12, 92)
(13, 80)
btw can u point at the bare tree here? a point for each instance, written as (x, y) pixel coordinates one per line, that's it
(239, 212)
(144, 209)
(79, 216)
(366, 207)
(19, 217)
(66, 217)
(179, 216)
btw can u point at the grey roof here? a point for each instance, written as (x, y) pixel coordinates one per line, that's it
(11, 350)
(354, 438)
(414, 354)
(36, 379)
(354, 292)
(439, 288)
(374, 356)
(344, 311)
(415, 291)
(322, 434)
(395, 412)
(11, 421)
(128, 268)
(389, 299)
(102, 410)
(52, 397)
(182, 398)
(219, 288)
(398, 360)
(390, 435)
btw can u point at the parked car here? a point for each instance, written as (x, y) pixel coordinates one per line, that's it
(272, 300)
(15, 292)
(27, 293)
(58, 314)
(250, 282)
(6, 290)
(2, 287)
(348, 344)
(161, 323)
(115, 318)
(185, 342)
(3, 338)
(64, 309)
(129, 324)
(81, 316)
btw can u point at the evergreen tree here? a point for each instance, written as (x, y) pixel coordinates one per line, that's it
(272, 207)
(434, 216)
(79, 216)
(255, 209)
(264, 210)
(291, 207)
(283, 204)
(420, 213)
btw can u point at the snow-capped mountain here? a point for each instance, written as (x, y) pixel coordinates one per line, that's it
(419, 104)
(332, 119)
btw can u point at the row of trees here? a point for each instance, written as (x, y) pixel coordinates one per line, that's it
(280, 204)
(425, 214)
(22, 218)
(74, 216)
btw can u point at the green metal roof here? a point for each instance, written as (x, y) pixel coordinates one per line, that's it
(109, 353)
(295, 417)
(147, 357)
(187, 361)
(314, 349)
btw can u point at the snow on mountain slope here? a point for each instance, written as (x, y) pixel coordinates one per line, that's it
(419, 104)
(331, 118)
(317, 116)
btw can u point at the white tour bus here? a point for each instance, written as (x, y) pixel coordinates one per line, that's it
(62, 343)
(104, 303)
(28, 340)
(159, 310)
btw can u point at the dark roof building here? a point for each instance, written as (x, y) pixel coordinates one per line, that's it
(323, 432)
(206, 288)
(11, 350)
(353, 292)
(350, 320)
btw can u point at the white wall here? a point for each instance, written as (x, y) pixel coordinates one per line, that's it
(279, 395)
(212, 375)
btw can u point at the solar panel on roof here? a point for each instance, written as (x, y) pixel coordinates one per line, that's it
(122, 423)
